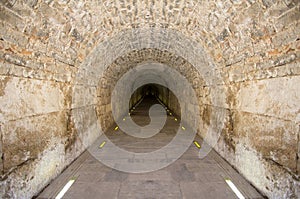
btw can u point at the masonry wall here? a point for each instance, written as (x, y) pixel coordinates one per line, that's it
(254, 46)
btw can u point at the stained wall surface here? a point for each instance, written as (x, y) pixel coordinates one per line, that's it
(59, 61)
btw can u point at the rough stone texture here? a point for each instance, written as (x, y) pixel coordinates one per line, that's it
(275, 139)
(254, 46)
(25, 139)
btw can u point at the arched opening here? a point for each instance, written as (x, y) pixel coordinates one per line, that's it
(128, 64)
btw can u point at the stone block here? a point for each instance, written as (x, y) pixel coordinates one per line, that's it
(288, 18)
(276, 97)
(23, 97)
(275, 139)
(8, 16)
(13, 36)
(25, 139)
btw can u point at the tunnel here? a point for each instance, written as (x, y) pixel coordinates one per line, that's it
(149, 99)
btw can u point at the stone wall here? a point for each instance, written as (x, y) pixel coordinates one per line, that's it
(248, 49)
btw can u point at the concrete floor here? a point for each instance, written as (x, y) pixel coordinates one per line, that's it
(188, 177)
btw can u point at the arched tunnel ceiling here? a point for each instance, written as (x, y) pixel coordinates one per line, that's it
(166, 46)
(164, 40)
(228, 30)
(131, 60)
(127, 49)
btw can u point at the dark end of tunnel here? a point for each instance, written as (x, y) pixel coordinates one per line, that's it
(155, 94)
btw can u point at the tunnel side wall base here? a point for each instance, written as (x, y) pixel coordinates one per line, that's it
(261, 134)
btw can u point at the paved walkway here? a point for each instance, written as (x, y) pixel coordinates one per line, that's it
(189, 177)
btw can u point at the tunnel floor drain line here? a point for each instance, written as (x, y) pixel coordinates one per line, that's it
(65, 189)
(234, 189)
(102, 145)
(197, 144)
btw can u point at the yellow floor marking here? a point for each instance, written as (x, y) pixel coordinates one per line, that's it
(197, 144)
(102, 145)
